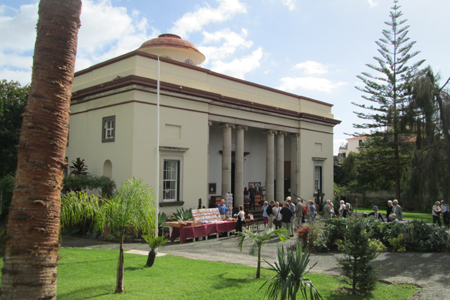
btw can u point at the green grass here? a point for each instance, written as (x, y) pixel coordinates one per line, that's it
(426, 217)
(91, 273)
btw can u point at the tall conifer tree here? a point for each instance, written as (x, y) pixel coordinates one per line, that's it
(389, 93)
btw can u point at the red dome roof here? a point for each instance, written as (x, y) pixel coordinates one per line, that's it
(169, 40)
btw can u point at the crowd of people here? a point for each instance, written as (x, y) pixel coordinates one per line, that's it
(291, 215)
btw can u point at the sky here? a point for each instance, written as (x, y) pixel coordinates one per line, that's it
(310, 48)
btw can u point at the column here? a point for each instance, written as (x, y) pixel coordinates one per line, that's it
(226, 159)
(270, 165)
(295, 168)
(239, 166)
(280, 166)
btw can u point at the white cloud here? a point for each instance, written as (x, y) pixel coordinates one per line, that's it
(194, 21)
(372, 3)
(105, 32)
(290, 4)
(308, 83)
(231, 42)
(239, 66)
(108, 31)
(312, 67)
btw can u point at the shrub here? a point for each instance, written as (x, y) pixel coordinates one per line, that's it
(358, 254)
(335, 229)
(83, 182)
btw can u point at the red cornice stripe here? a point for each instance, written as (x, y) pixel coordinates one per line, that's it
(121, 82)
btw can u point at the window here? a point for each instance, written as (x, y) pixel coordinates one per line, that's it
(360, 142)
(317, 179)
(109, 129)
(189, 62)
(171, 180)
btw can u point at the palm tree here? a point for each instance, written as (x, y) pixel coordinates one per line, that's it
(290, 276)
(31, 256)
(256, 241)
(131, 207)
(78, 207)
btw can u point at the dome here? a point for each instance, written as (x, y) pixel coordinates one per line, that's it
(173, 47)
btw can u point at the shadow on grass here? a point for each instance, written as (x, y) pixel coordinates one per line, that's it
(134, 268)
(88, 293)
(84, 262)
(222, 283)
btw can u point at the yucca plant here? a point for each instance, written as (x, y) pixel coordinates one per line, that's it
(183, 215)
(290, 276)
(256, 240)
(154, 243)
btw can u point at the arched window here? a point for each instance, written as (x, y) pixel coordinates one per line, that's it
(189, 62)
(107, 168)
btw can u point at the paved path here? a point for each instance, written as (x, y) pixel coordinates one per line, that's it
(428, 270)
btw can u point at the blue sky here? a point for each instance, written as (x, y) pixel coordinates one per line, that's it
(310, 48)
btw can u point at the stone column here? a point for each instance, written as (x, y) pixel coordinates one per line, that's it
(270, 165)
(280, 166)
(295, 168)
(226, 159)
(239, 166)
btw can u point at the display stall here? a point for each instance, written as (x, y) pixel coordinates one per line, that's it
(207, 221)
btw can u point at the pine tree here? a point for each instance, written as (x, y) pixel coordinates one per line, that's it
(389, 94)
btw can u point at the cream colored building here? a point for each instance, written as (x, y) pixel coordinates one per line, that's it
(217, 133)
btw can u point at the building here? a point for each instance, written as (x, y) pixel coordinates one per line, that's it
(217, 133)
(352, 145)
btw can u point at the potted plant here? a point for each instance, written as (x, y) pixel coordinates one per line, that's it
(154, 243)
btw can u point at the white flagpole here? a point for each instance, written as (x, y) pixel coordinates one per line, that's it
(157, 151)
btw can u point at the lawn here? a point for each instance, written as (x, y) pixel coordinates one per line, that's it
(90, 273)
(426, 217)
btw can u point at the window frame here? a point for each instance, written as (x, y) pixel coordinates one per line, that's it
(176, 197)
(171, 153)
(106, 120)
(320, 179)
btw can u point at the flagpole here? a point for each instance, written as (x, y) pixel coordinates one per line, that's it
(157, 149)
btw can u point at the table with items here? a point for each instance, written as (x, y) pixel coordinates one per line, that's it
(207, 221)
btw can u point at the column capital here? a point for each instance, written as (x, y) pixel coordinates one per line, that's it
(282, 133)
(209, 123)
(294, 135)
(227, 125)
(242, 127)
(270, 132)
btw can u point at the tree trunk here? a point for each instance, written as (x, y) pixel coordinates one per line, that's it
(120, 267)
(151, 258)
(32, 243)
(258, 268)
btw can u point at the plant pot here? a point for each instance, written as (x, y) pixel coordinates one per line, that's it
(151, 258)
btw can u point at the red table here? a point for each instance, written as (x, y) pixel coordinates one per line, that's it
(201, 230)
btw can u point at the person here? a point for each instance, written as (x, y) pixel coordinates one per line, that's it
(392, 219)
(286, 215)
(270, 213)
(346, 212)
(445, 213)
(252, 193)
(305, 212)
(312, 211)
(223, 209)
(376, 214)
(341, 208)
(240, 219)
(328, 210)
(436, 212)
(265, 214)
(277, 215)
(292, 208)
(389, 210)
(246, 198)
(397, 210)
(298, 214)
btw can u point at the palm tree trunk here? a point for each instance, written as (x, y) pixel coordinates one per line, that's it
(258, 268)
(120, 270)
(29, 271)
